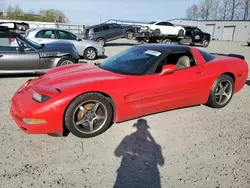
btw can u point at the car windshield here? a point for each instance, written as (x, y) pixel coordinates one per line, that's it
(133, 61)
(152, 22)
(32, 43)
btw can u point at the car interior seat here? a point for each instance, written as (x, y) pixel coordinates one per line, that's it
(183, 62)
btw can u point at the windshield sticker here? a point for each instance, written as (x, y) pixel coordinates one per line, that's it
(151, 52)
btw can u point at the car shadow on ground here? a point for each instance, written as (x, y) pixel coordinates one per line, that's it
(111, 44)
(141, 155)
(82, 59)
(21, 75)
(248, 82)
(244, 45)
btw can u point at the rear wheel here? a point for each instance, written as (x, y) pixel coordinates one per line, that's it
(205, 43)
(90, 54)
(101, 41)
(89, 115)
(129, 34)
(221, 92)
(167, 41)
(157, 32)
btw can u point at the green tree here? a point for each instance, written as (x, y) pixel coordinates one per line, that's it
(50, 15)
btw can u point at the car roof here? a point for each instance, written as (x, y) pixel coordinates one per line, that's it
(99, 25)
(164, 47)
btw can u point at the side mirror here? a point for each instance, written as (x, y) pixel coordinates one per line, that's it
(167, 69)
(78, 39)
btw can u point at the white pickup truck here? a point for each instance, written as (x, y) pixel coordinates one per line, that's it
(164, 28)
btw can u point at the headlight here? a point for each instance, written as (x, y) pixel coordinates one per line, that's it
(40, 98)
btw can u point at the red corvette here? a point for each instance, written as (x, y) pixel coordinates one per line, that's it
(85, 99)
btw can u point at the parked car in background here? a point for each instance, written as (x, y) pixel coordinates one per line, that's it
(90, 50)
(21, 55)
(164, 28)
(198, 36)
(106, 32)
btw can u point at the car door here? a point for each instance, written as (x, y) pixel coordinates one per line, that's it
(106, 33)
(17, 56)
(117, 30)
(45, 36)
(165, 29)
(182, 88)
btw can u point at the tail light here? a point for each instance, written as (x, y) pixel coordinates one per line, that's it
(11, 40)
(90, 36)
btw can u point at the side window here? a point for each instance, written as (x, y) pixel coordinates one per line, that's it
(47, 34)
(115, 25)
(63, 35)
(105, 27)
(207, 56)
(182, 60)
(160, 23)
(8, 44)
(168, 24)
(97, 29)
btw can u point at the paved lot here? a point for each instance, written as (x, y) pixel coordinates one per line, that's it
(200, 146)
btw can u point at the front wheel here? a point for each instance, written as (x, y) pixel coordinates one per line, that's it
(90, 54)
(129, 34)
(89, 115)
(66, 61)
(221, 92)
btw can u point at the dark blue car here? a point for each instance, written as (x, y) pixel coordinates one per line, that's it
(105, 32)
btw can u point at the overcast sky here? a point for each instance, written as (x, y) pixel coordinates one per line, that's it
(89, 11)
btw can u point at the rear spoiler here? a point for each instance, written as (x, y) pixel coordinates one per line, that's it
(230, 55)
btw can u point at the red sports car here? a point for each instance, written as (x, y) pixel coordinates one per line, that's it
(85, 99)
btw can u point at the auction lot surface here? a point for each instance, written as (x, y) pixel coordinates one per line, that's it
(200, 146)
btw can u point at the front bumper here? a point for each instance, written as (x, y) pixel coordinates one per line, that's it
(23, 106)
(100, 51)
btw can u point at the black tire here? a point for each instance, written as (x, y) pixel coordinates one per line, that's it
(90, 53)
(129, 34)
(212, 101)
(157, 32)
(65, 61)
(181, 33)
(101, 41)
(167, 41)
(69, 117)
(205, 43)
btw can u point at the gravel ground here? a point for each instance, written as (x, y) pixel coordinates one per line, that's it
(191, 147)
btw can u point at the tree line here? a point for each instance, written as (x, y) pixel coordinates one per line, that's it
(219, 10)
(50, 15)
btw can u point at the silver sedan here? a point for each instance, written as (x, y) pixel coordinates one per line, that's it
(87, 48)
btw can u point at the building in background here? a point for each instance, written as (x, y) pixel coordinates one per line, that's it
(235, 30)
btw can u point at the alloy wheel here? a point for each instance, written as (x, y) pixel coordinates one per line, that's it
(223, 92)
(91, 54)
(90, 116)
(66, 62)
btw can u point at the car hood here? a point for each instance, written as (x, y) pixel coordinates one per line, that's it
(91, 42)
(56, 46)
(70, 75)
